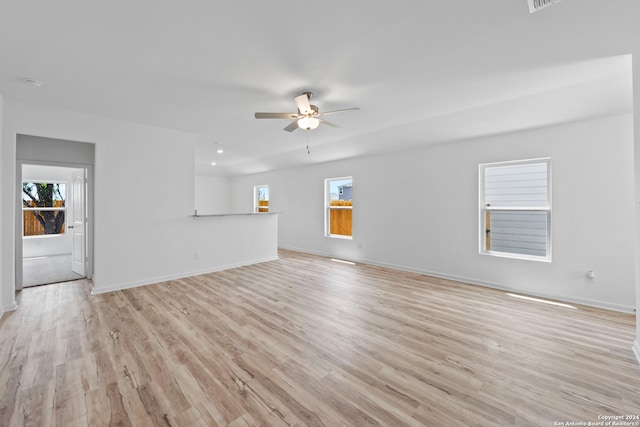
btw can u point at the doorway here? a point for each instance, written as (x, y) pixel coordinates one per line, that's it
(54, 210)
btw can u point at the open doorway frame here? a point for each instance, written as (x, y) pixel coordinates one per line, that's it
(59, 254)
(64, 149)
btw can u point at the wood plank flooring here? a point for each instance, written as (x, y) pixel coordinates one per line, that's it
(307, 341)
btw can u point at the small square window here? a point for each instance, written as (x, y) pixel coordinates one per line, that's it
(261, 198)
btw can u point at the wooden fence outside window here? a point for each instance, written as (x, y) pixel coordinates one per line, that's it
(340, 220)
(32, 226)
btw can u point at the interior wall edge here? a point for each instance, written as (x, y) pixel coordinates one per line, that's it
(636, 350)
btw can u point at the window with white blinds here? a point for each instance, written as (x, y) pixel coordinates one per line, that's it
(515, 209)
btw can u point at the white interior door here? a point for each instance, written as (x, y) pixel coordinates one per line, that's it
(77, 219)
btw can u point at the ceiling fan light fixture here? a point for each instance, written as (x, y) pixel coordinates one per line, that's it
(308, 123)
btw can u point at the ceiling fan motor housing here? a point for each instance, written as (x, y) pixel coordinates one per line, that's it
(314, 111)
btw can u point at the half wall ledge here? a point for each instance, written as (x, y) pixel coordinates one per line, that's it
(197, 215)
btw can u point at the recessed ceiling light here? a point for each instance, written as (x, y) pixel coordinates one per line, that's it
(220, 151)
(213, 163)
(33, 82)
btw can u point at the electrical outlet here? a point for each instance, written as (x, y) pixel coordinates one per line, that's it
(196, 255)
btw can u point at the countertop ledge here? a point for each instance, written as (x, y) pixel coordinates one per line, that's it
(197, 215)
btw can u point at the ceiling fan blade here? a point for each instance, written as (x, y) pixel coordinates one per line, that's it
(302, 101)
(337, 111)
(324, 122)
(292, 126)
(276, 116)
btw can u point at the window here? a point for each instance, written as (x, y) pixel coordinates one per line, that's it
(515, 209)
(338, 207)
(261, 198)
(43, 208)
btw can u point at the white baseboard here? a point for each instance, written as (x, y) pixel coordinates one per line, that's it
(96, 290)
(473, 281)
(636, 350)
(44, 256)
(8, 308)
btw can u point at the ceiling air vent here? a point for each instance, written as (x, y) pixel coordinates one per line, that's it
(536, 5)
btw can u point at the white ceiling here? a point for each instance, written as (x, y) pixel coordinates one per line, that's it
(422, 72)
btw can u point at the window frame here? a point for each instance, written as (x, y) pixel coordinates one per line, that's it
(483, 209)
(47, 209)
(328, 208)
(256, 198)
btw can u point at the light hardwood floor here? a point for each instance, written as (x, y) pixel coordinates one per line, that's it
(308, 341)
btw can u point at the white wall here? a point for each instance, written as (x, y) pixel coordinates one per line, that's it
(144, 199)
(418, 210)
(212, 195)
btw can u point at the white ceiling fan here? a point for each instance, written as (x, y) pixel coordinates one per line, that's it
(307, 116)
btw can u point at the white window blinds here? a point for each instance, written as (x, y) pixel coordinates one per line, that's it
(517, 185)
(516, 209)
